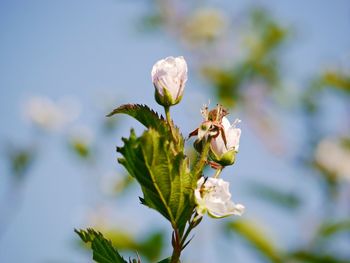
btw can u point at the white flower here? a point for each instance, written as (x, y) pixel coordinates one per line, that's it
(204, 26)
(213, 196)
(221, 152)
(169, 76)
(51, 115)
(334, 157)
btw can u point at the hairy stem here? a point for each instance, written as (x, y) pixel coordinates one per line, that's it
(202, 159)
(167, 114)
(169, 121)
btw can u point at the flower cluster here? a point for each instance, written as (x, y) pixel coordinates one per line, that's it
(157, 159)
(215, 133)
(222, 139)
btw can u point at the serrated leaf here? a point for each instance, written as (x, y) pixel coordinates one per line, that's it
(151, 119)
(102, 249)
(256, 237)
(162, 173)
(166, 260)
(149, 247)
(142, 113)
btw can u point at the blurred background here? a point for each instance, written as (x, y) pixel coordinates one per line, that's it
(282, 67)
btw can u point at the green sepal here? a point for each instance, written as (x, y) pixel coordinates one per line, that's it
(166, 99)
(226, 159)
(198, 145)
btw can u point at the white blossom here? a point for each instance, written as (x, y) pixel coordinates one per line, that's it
(204, 26)
(212, 195)
(169, 76)
(224, 152)
(50, 115)
(81, 132)
(334, 157)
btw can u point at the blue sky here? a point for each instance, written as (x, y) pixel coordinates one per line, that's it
(88, 48)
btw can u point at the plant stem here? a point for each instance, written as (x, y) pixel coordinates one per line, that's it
(218, 172)
(167, 114)
(202, 159)
(175, 257)
(169, 121)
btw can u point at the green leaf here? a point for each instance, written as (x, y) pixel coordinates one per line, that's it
(150, 119)
(315, 257)
(162, 172)
(20, 159)
(150, 247)
(166, 260)
(257, 238)
(285, 200)
(331, 228)
(337, 80)
(103, 251)
(142, 113)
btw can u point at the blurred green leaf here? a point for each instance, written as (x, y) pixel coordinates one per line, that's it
(226, 82)
(317, 257)
(257, 238)
(260, 64)
(80, 148)
(20, 159)
(109, 125)
(150, 22)
(103, 251)
(275, 196)
(151, 247)
(124, 184)
(336, 80)
(331, 228)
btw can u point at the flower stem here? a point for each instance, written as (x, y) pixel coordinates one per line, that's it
(167, 114)
(169, 121)
(202, 159)
(218, 172)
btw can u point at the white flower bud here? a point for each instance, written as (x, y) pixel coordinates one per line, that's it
(213, 196)
(221, 152)
(169, 76)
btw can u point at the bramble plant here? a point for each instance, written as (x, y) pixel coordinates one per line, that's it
(170, 184)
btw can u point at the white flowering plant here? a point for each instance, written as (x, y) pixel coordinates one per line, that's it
(171, 184)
